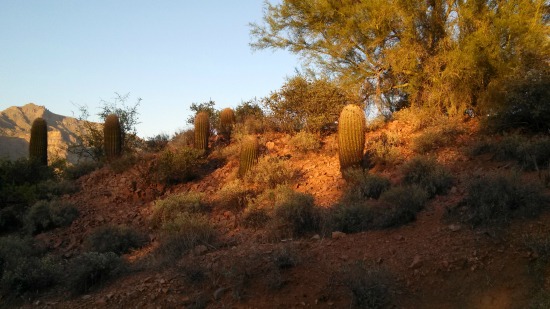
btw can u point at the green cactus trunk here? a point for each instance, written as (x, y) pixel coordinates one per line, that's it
(38, 145)
(112, 137)
(227, 119)
(351, 136)
(249, 154)
(202, 131)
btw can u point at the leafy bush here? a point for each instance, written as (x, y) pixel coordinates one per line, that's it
(233, 195)
(92, 269)
(24, 268)
(248, 109)
(166, 209)
(73, 172)
(255, 218)
(384, 149)
(434, 138)
(174, 166)
(117, 239)
(401, 206)
(428, 174)
(495, 199)
(157, 143)
(52, 188)
(285, 257)
(370, 286)
(45, 215)
(270, 172)
(363, 185)
(183, 138)
(123, 163)
(184, 232)
(304, 141)
(353, 217)
(295, 212)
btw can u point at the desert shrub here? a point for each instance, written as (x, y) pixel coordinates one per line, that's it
(362, 184)
(184, 232)
(285, 257)
(428, 174)
(295, 212)
(117, 239)
(434, 138)
(370, 286)
(123, 163)
(24, 268)
(304, 141)
(157, 143)
(166, 209)
(233, 195)
(183, 138)
(51, 188)
(255, 218)
(44, 215)
(422, 117)
(248, 109)
(384, 149)
(400, 206)
(495, 199)
(270, 172)
(92, 269)
(73, 172)
(352, 217)
(376, 123)
(174, 166)
(11, 218)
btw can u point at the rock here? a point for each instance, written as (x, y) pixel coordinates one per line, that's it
(270, 146)
(200, 249)
(85, 297)
(316, 237)
(219, 292)
(454, 190)
(454, 227)
(417, 262)
(337, 235)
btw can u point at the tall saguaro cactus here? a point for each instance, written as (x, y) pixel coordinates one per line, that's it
(202, 131)
(227, 119)
(351, 136)
(38, 145)
(112, 136)
(249, 154)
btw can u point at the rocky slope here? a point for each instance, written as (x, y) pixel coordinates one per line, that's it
(15, 127)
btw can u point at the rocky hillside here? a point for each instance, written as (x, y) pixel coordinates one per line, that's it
(15, 127)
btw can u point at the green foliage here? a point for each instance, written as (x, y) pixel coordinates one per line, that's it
(353, 216)
(157, 143)
(363, 185)
(304, 141)
(441, 54)
(384, 149)
(351, 136)
(494, 199)
(184, 232)
(23, 268)
(255, 217)
(92, 269)
(73, 172)
(202, 131)
(233, 195)
(270, 172)
(303, 104)
(207, 107)
(428, 174)
(168, 208)
(112, 137)
(38, 145)
(227, 120)
(248, 110)
(117, 239)
(435, 138)
(51, 188)
(180, 165)
(249, 154)
(123, 162)
(370, 286)
(45, 215)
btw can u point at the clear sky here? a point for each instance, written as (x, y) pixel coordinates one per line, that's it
(58, 53)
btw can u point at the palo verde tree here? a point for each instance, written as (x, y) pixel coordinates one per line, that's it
(434, 53)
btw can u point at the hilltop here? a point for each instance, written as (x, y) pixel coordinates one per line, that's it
(15, 127)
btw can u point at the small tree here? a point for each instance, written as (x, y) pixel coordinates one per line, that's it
(208, 107)
(89, 143)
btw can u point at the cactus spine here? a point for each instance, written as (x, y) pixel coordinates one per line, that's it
(38, 145)
(249, 154)
(351, 136)
(227, 119)
(202, 131)
(112, 136)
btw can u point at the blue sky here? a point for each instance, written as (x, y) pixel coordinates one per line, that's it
(169, 53)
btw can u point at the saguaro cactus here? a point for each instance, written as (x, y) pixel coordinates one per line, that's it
(227, 119)
(38, 145)
(351, 136)
(202, 131)
(112, 136)
(249, 154)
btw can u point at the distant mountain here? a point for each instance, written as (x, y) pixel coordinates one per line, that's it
(15, 131)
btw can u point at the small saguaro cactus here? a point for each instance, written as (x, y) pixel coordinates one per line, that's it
(112, 136)
(227, 119)
(351, 136)
(38, 145)
(249, 154)
(202, 131)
